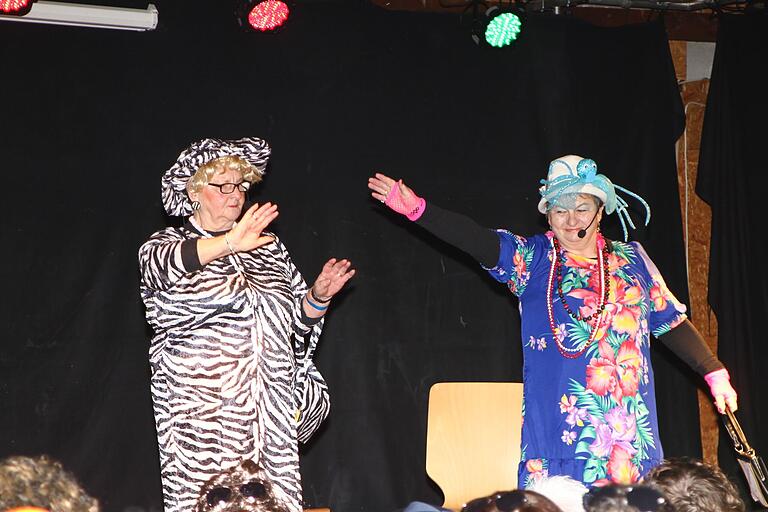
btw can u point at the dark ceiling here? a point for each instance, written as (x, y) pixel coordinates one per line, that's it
(686, 20)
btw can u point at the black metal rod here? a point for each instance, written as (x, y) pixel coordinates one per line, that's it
(695, 5)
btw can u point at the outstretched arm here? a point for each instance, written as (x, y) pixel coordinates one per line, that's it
(456, 229)
(244, 237)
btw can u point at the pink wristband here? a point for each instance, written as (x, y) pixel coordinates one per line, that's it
(418, 211)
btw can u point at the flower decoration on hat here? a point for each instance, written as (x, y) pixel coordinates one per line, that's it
(176, 202)
(572, 175)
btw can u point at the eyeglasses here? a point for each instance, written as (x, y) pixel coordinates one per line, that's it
(643, 498)
(228, 188)
(253, 489)
(504, 501)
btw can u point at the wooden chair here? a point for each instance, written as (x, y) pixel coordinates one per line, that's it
(473, 438)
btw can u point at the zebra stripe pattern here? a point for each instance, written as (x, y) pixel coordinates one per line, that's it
(231, 365)
(176, 202)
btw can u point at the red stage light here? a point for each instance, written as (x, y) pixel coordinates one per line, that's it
(268, 15)
(15, 6)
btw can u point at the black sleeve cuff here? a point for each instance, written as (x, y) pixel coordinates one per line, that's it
(308, 320)
(189, 256)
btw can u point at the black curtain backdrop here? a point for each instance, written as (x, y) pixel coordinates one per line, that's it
(92, 118)
(732, 179)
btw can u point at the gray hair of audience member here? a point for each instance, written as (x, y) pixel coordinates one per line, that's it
(626, 498)
(564, 491)
(243, 488)
(519, 500)
(692, 485)
(41, 482)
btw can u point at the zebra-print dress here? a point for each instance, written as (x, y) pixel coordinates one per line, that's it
(232, 374)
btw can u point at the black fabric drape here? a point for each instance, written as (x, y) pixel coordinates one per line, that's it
(732, 178)
(91, 119)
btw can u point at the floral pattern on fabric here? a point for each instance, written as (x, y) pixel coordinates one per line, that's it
(536, 470)
(515, 269)
(593, 417)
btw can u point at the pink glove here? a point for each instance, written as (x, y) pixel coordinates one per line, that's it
(720, 386)
(412, 207)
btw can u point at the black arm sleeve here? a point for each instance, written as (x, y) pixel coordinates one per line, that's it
(306, 320)
(462, 232)
(687, 344)
(189, 256)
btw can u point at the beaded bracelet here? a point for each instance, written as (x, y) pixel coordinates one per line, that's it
(318, 299)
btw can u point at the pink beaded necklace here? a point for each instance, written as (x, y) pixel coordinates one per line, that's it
(595, 318)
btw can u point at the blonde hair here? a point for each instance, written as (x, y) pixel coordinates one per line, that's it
(220, 165)
(41, 482)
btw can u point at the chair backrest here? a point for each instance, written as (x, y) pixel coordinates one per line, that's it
(473, 438)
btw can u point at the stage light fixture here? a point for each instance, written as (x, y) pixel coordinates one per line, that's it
(503, 27)
(15, 7)
(93, 16)
(268, 15)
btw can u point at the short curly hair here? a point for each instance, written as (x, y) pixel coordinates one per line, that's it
(245, 487)
(208, 170)
(41, 482)
(692, 485)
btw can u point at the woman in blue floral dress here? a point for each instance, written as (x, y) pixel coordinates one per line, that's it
(588, 307)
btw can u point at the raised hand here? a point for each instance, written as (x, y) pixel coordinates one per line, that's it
(332, 278)
(247, 234)
(396, 195)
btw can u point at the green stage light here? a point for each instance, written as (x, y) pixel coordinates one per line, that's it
(502, 29)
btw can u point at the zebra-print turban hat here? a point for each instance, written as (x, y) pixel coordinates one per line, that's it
(253, 150)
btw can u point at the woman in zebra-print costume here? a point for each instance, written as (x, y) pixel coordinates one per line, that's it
(235, 328)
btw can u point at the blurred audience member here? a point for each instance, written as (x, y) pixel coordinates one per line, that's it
(626, 498)
(694, 486)
(30, 483)
(566, 492)
(512, 501)
(244, 488)
(420, 506)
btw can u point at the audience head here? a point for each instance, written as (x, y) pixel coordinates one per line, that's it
(564, 491)
(626, 498)
(512, 501)
(30, 483)
(694, 486)
(244, 488)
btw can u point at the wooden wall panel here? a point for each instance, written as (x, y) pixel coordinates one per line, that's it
(697, 218)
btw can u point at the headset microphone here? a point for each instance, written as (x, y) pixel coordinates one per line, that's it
(583, 232)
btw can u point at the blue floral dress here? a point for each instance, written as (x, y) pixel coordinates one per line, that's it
(592, 417)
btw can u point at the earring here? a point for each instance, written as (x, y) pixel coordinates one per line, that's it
(195, 205)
